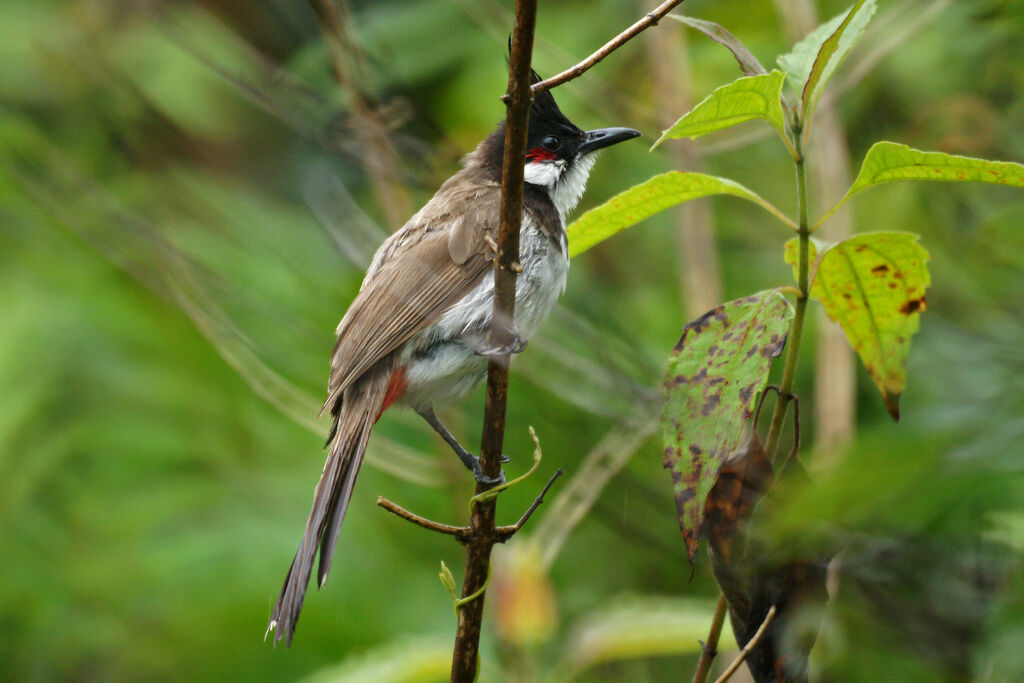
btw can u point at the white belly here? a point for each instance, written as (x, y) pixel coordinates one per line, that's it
(441, 363)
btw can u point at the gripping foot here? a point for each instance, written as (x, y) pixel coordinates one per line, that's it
(516, 345)
(471, 461)
(483, 478)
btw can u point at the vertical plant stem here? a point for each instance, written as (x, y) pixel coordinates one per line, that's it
(465, 658)
(834, 363)
(797, 329)
(788, 375)
(710, 650)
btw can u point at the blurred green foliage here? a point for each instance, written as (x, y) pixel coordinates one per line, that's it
(185, 211)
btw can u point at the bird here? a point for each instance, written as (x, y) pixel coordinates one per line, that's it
(417, 332)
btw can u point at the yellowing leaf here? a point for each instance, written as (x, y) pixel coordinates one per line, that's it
(714, 376)
(887, 162)
(874, 285)
(745, 99)
(650, 197)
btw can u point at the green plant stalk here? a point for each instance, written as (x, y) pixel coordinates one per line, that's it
(789, 373)
(710, 649)
(796, 331)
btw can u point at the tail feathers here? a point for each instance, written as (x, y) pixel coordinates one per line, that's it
(339, 505)
(360, 406)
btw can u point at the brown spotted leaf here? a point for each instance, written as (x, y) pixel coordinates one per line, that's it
(715, 374)
(742, 482)
(874, 285)
(756, 574)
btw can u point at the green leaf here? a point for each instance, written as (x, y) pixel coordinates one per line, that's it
(718, 33)
(815, 58)
(798, 62)
(888, 162)
(874, 285)
(714, 376)
(833, 52)
(448, 580)
(648, 198)
(745, 99)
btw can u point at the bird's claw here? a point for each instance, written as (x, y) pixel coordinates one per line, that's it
(517, 345)
(482, 478)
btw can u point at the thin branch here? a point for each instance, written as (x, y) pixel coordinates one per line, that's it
(504, 533)
(518, 99)
(464, 534)
(649, 19)
(751, 644)
(394, 508)
(709, 650)
(465, 658)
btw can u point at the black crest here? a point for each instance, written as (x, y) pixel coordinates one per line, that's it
(545, 119)
(545, 108)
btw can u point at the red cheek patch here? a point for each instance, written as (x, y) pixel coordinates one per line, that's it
(540, 154)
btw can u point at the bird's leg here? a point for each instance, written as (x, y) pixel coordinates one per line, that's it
(471, 462)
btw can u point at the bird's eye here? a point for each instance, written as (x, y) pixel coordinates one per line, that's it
(551, 143)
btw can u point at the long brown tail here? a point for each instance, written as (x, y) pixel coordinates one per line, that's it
(360, 407)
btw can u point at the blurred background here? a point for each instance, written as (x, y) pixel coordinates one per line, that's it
(189, 193)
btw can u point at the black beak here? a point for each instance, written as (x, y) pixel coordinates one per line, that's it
(594, 140)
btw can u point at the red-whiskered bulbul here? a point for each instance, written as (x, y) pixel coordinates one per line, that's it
(416, 333)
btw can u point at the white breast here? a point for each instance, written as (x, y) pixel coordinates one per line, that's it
(545, 270)
(441, 363)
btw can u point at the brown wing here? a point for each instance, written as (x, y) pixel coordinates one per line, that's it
(431, 263)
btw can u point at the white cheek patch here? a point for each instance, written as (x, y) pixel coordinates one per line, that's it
(544, 173)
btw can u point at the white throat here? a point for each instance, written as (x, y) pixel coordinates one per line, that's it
(564, 184)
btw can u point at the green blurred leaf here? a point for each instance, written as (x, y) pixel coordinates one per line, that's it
(648, 627)
(648, 198)
(176, 83)
(888, 162)
(745, 99)
(718, 33)
(31, 29)
(874, 285)
(714, 376)
(1008, 528)
(425, 660)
